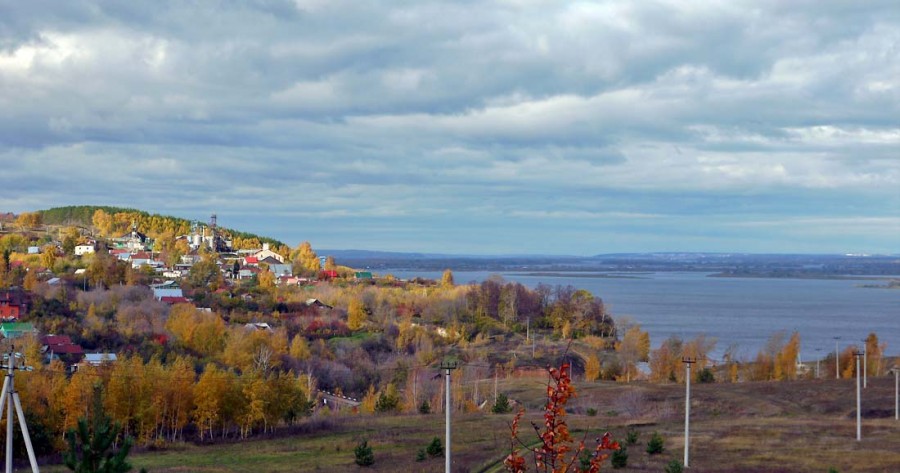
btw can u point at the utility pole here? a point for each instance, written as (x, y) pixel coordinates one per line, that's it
(818, 358)
(837, 359)
(896, 372)
(447, 366)
(858, 403)
(11, 397)
(865, 364)
(687, 408)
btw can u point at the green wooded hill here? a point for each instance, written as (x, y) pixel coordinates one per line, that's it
(153, 225)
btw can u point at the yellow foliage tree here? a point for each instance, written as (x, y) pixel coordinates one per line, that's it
(356, 314)
(300, 348)
(592, 368)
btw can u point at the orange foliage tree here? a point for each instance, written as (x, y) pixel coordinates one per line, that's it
(555, 441)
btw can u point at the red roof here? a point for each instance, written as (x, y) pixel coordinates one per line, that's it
(141, 256)
(68, 349)
(251, 260)
(55, 340)
(174, 299)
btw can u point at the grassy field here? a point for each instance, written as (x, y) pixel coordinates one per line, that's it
(803, 426)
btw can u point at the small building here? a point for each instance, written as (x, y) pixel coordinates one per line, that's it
(61, 347)
(81, 250)
(160, 292)
(265, 252)
(172, 300)
(33, 250)
(12, 305)
(259, 326)
(317, 303)
(363, 276)
(16, 329)
(97, 359)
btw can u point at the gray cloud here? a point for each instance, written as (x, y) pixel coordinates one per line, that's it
(618, 122)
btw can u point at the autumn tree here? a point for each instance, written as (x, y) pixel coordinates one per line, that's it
(447, 279)
(634, 347)
(665, 361)
(210, 397)
(299, 348)
(306, 261)
(356, 314)
(205, 273)
(555, 451)
(103, 222)
(28, 220)
(874, 354)
(330, 265)
(592, 368)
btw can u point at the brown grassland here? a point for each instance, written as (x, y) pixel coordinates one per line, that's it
(800, 426)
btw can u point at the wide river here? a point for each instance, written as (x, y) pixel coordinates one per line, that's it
(744, 312)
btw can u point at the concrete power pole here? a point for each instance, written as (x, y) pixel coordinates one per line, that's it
(837, 359)
(447, 367)
(865, 364)
(687, 408)
(858, 401)
(896, 372)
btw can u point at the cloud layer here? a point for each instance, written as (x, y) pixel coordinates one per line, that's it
(481, 127)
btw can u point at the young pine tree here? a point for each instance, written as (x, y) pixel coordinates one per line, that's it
(89, 445)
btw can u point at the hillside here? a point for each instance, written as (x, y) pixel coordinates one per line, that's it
(153, 224)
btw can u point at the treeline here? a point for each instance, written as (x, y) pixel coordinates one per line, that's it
(162, 402)
(778, 360)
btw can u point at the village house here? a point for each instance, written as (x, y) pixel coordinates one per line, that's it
(265, 252)
(61, 347)
(16, 329)
(85, 249)
(12, 305)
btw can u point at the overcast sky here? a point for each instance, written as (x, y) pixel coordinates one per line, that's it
(503, 127)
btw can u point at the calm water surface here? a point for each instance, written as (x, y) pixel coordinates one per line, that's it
(740, 311)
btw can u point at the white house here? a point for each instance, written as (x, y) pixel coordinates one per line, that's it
(81, 250)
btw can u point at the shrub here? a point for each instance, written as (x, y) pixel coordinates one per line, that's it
(655, 445)
(435, 449)
(631, 437)
(591, 411)
(706, 376)
(501, 405)
(425, 408)
(619, 458)
(420, 455)
(674, 466)
(387, 402)
(363, 454)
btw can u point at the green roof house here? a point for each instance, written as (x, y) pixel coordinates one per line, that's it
(363, 275)
(15, 329)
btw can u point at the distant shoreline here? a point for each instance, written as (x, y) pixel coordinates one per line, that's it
(553, 274)
(836, 277)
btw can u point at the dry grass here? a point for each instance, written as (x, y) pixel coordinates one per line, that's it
(802, 426)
